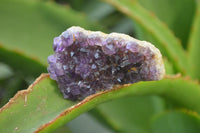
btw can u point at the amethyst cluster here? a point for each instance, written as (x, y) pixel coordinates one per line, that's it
(87, 62)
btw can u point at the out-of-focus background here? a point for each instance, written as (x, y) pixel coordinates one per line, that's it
(27, 27)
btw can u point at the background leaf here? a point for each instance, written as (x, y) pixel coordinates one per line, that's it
(168, 66)
(63, 129)
(136, 104)
(10, 86)
(168, 88)
(163, 37)
(85, 123)
(177, 15)
(176, 122)
(20, 63)
(33, 107)
(194, 46)
(26, 113)
(31, 25)
(5, 70)
(19, 71)
(132, 114)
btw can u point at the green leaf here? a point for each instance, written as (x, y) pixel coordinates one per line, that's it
(105, 120)
(24, 70)
(21, 63)
(43, 108)
(125, 25)
(97, 10)
(5, 71)
(176, 122)
(177, 90)
(194, 46)
(85, 123)
(131, 114)
(31, 25)
(76, 4)
(176, 14)
(164, 38)
(10, 86)
(63, 129)
(106, 15)
(168, 67)
(33, 107)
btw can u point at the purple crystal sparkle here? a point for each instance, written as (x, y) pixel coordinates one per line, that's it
(86, 62)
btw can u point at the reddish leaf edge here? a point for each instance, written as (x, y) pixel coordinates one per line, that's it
(56, 122)
(81, 103)
(24, 93)
(89, 102)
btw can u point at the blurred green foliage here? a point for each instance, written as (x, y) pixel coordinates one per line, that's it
(27, 29)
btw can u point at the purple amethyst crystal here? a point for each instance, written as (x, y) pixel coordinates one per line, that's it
(87, 62)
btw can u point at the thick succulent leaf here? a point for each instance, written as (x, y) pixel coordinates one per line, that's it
(97, 10)
(125, 25)
(30, 108)
(21, 63)
(131, 114)
(176, 122)
(107, 15)
(10, 86)
(76, 4)
(43, 104)
(24, 70)
(63, 129)
(176, 14)
(31, 25)
(168, 66)
(194, 46)
(169, 88)
(101, 117)
(79, 125)
(164, 38)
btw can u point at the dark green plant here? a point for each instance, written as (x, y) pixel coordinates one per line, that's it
(170, 105)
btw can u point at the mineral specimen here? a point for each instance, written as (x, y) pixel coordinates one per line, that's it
(87, 62)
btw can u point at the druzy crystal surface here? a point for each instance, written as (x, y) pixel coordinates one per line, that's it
(87, 62)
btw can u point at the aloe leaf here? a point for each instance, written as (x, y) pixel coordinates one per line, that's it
(165, 40)
(30, 26)
(168, 66)
(63, 129)
(85, 123)
(176, 122)
(125, 25)
(106, 15)
(9, 87)
(30, 108)
(130, 114)
(105, 119)
(21, 63)
(24, 70)
(42, 108)
(166, 87)
(97, 10)
(136, 110)
(174, 14)
(194, 46)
